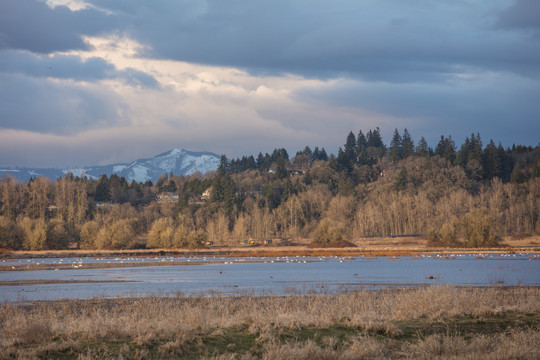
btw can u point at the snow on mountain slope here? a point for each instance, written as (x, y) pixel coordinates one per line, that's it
(179, 162)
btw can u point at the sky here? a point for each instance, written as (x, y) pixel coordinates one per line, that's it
(96, 82)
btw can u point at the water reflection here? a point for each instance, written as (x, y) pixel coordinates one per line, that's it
(48, 279)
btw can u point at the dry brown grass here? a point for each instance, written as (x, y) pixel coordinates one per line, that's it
(370, 324)
(364, 247)
(523, 242)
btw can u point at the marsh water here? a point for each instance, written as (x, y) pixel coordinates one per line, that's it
(80, 278)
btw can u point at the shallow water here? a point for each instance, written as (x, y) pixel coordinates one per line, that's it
(68, 278)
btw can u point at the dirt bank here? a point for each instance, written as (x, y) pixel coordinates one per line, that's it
(364, 247)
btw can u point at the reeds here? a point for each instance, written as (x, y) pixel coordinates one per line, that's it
(439, 321)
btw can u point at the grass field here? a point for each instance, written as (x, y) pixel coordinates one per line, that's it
(436, 322)
(363, 247)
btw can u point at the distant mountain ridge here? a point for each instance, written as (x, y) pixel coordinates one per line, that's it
(179, 162)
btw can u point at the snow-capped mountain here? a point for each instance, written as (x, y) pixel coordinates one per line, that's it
(179, 162)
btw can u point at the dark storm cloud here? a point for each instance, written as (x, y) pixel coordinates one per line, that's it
(58, 66)
(48, 107)
(394, 41)
(524, 14)
(389, 40)
(34, 26)
(70, 67)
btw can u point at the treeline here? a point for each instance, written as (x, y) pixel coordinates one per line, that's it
(467, 196)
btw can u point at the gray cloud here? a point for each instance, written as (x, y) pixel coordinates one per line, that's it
(70, 67)
(58, 66)
(135, 77)
(394, 41)
(432, 67)
(34, 26)
(388, 40)
(504, 108)
(48, 107)
(524, 14)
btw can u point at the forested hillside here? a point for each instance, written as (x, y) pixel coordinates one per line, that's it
(470, 195)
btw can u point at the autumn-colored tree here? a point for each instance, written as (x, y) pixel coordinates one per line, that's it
(161, 234)
(89, 232)
(34, 233)
(480, 228)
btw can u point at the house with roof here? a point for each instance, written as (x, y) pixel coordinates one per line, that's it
(206, 194)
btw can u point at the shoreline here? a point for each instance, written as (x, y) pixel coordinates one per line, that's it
(270, 251)
(369, 247)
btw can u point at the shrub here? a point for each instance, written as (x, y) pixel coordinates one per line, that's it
(118, 235)
(480, 228)
(446, 235)
(89, 232)
(11, 234)
(161, 234)
(57, 235)
(34, 233)
(196, 239)
(329, 234)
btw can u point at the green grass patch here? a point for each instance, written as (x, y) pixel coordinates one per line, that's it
(467, 325)
(339, 332)
(229, 340)
(240, 340)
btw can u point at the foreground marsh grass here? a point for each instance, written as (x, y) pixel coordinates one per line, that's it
(442, 321)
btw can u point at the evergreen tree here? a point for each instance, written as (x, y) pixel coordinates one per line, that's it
(476, 147)
(446, 148)
(350, 147)
(518, 176)
(395, 151)
(307, 151)
(273, 193)
(223, 164)
(103, 190)
(462, 155)
(223, 193)
(401, 180)
(251, 164)
(361, 149)
(115, 182)
(342, 161)
(288, 190)
(469, 157)
(407, 145)
(361, 142)
(506, 162)
(260, 160)
(376, 148)
(278, 153)
(374, 139)
(267, 161)
(347, 158)
(315, 155)
(307, 180)
(471, 150)
(281, 168)
(172, 186)
(323, 155)
(161, 182)
(491, 161)
(423, 149)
